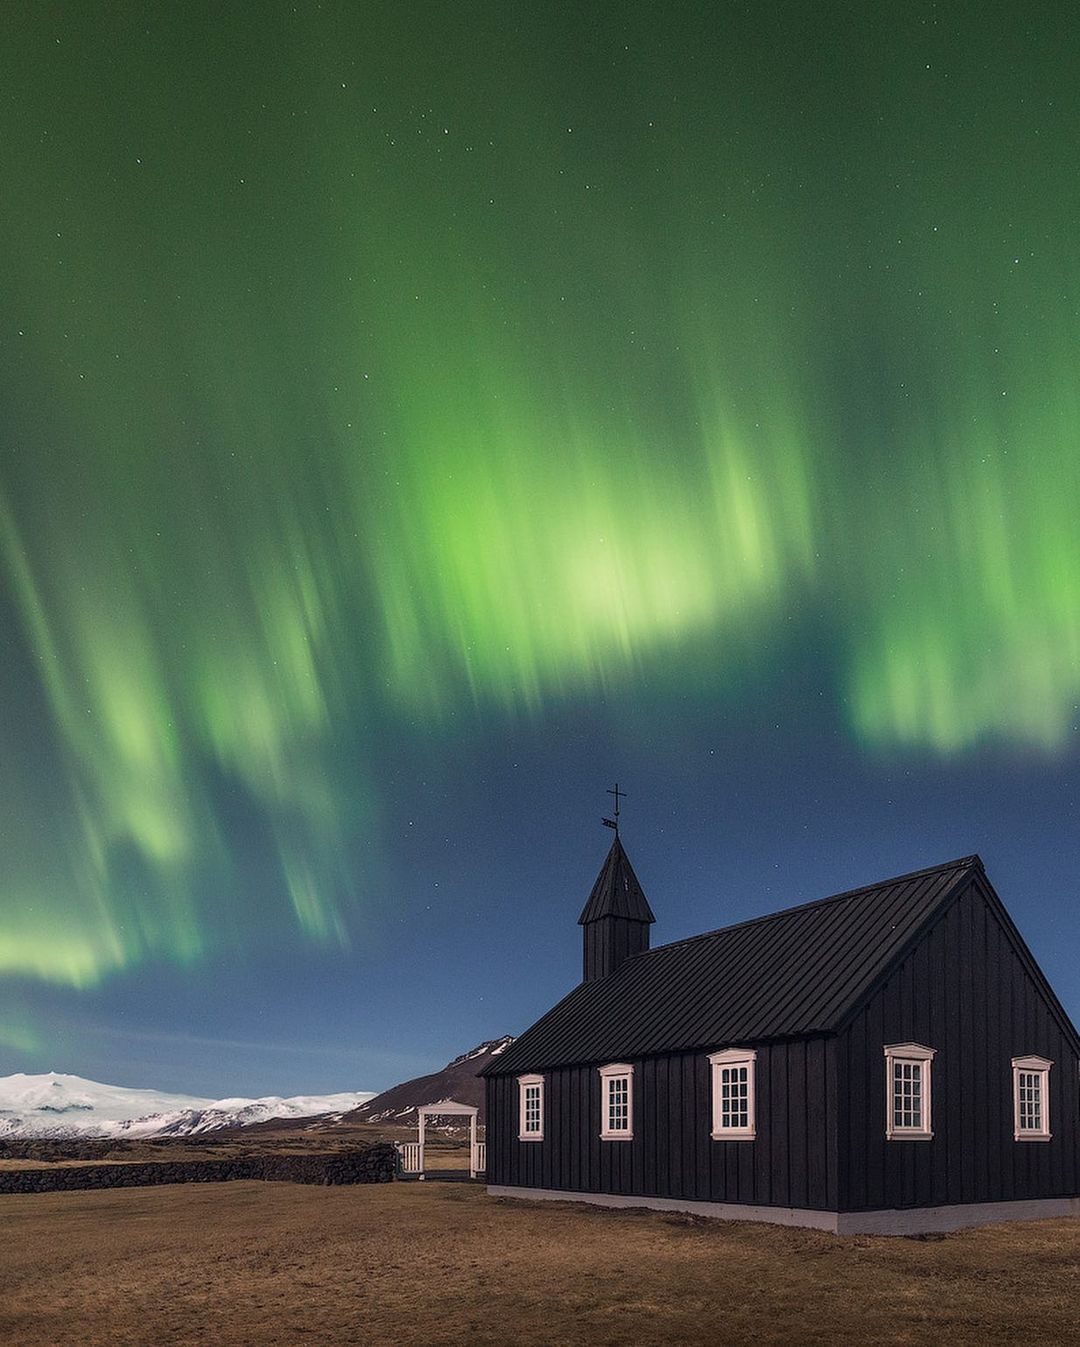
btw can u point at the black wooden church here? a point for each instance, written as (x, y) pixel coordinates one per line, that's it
(887, 1060)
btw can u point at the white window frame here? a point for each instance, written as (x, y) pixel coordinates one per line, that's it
(719, 1061)
(913, 1053)
(616, 1071)
(525, 1083)
(1040, 1067)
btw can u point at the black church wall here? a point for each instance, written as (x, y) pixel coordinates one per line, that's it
(791, 1162)
(966, 992)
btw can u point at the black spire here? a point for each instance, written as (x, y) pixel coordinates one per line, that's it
(616, 916)
(617, 892)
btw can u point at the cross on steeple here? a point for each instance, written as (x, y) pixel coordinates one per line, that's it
(616, 916)
(614, 822)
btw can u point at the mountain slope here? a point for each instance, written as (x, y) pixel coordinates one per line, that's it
(60, 1106)
(457, 1080)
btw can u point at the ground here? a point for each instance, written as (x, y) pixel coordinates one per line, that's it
(442, 1263)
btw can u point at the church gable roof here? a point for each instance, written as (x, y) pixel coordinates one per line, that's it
(616, 892)
(792, 973)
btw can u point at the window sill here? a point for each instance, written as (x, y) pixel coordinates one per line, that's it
(616, 1136)
(533, 1136)
(1032, 1136)
(909, 1136)
(733, 1135)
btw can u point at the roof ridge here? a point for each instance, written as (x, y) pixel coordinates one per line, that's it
(961, 863)
(756, 980)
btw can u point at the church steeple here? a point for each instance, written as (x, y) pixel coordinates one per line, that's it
(616, 918)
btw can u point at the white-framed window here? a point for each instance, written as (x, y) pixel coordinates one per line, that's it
(1031, 1098)
(530, 1108)
(733, 1094)
(616, 1102)
(907, 1092)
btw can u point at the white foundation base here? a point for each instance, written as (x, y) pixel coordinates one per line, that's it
(888, 1221)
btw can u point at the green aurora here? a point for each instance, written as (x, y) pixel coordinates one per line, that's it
(356, 377)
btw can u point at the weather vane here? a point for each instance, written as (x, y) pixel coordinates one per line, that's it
(614, 822)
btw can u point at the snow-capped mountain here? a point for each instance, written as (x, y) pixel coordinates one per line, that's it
(61, 1106)
(457, 1080)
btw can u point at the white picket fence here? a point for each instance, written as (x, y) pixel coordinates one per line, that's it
(412, 1157)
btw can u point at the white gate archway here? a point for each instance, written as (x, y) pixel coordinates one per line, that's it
(412, 1153)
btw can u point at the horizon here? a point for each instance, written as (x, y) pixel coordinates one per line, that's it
(412, 429)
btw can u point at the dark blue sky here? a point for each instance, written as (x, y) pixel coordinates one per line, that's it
(415, 419)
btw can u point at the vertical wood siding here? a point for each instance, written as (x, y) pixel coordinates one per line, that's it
(791, 1162)
(608, 941)
(964, 991)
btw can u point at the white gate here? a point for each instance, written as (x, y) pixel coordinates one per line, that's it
(412, 1157)
(412, 1152)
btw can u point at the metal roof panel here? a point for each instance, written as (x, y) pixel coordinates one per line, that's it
(791, 973)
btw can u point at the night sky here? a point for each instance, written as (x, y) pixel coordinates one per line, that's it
(416, 417)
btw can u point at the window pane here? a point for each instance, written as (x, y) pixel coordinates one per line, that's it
(618, 1104)
(1030, 1091)
(735, 1097)
(532, 1109)
(907, 1095)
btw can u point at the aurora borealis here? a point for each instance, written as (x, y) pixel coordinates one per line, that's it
(414, 416)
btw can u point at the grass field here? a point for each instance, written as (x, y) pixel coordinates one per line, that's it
(441, 1264)
(219, 1145)
(442, 1152)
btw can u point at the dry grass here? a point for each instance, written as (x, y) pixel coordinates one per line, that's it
(440, 1152)
(441, 1264)
(265, 1138)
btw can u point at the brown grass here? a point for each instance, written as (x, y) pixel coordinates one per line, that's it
(441, 1264)
(276, 1135)
(265, 1138)
(442, 1151)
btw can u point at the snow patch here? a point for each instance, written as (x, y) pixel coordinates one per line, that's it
(492, 1048)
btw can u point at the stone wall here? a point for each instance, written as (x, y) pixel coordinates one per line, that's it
(372, 1164)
